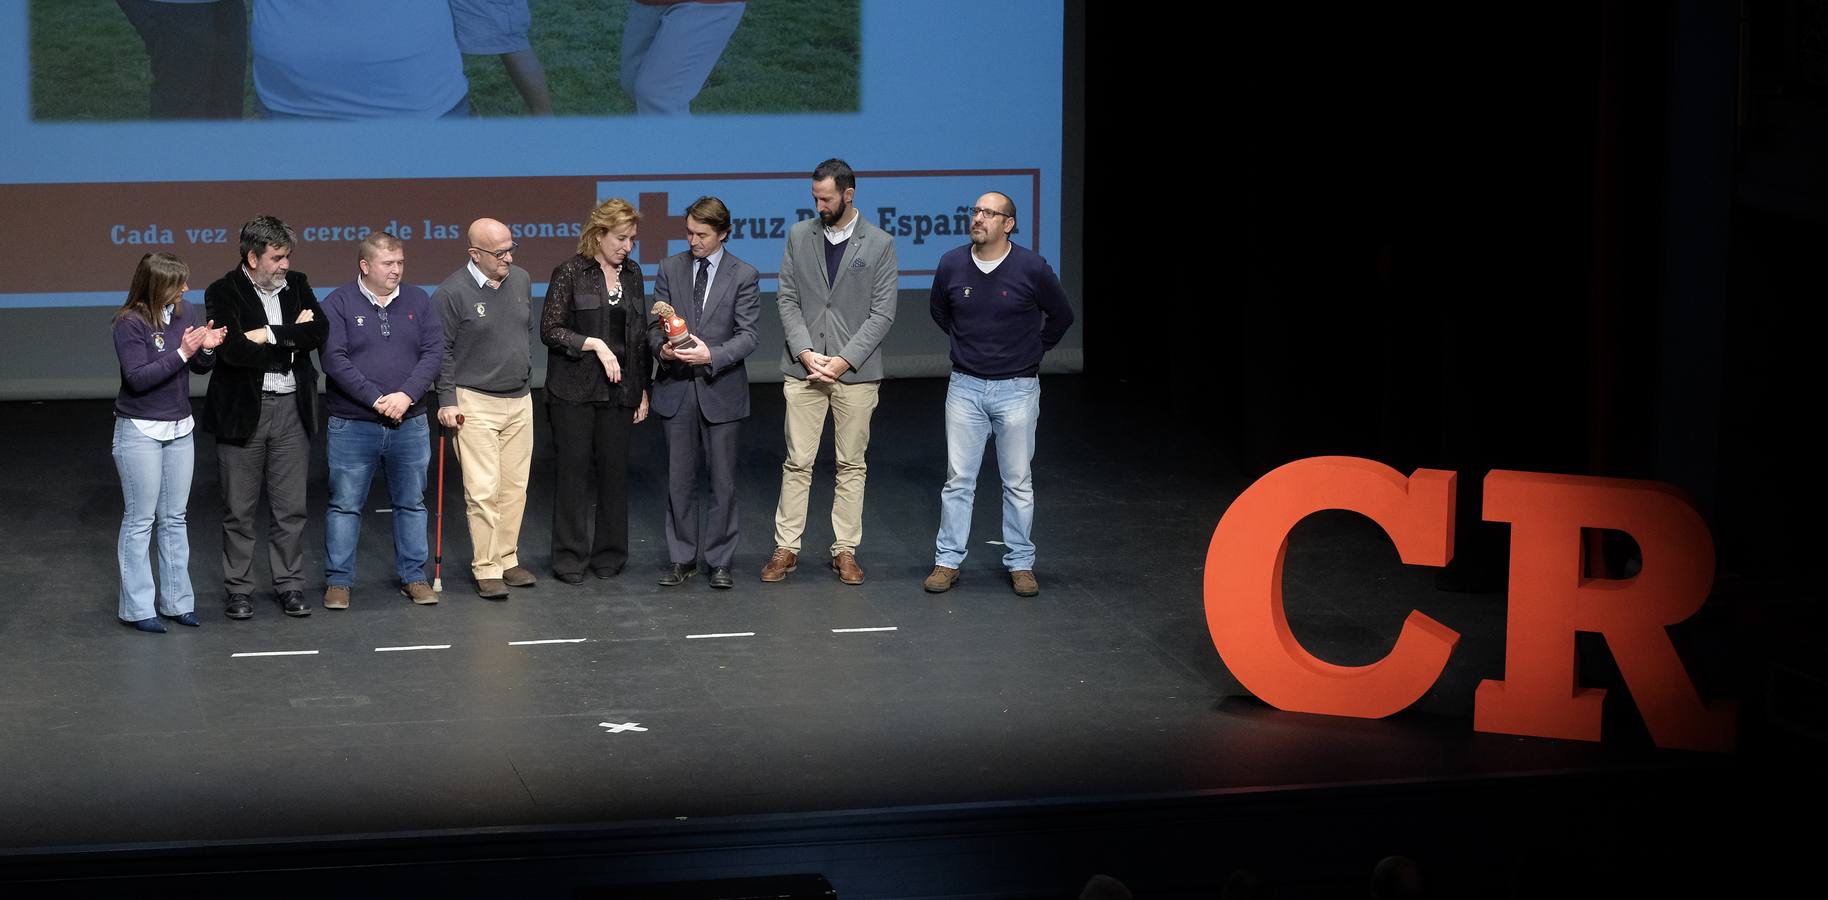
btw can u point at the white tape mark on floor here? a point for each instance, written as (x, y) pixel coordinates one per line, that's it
(276, 653)
(618, 729)
(861, 630)
(693, 637)
(418, 647)
(549, 641)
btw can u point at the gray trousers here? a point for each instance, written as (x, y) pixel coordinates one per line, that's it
(278, 456)
(690, 442)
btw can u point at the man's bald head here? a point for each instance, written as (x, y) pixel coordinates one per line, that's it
(491, 248)
(487, 232)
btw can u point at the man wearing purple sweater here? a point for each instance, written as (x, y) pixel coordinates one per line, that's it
(385, 347)
(1003, 308)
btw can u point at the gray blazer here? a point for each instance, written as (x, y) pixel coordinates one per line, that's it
(727, 326)
(852, 315)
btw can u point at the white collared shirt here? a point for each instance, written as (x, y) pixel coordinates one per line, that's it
(273, 382)
(374, 300)
(843, 233)
(482, 281)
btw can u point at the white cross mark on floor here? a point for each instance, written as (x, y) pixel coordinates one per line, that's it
(625, 726)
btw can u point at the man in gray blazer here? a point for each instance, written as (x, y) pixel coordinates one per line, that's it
(702, 390)
(837, 301)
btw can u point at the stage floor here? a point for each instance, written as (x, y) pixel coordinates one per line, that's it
(621, 701)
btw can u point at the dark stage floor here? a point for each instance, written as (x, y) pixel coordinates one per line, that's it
(648, 704)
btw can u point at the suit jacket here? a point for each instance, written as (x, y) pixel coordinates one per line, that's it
(848, 317)
(231, 406)
(727, 326)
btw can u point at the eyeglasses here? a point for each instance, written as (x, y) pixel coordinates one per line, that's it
(977, 211)
(499, 254)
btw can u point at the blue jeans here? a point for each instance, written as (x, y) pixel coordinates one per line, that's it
(155, 487)
(356, 448)
(975, 410)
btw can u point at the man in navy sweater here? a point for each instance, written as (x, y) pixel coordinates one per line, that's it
(385, 347)
(1003, 308)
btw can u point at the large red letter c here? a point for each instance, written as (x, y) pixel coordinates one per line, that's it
(1244, 585)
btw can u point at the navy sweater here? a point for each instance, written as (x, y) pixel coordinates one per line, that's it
(155, 383)
(1000, 323)
(363, 365)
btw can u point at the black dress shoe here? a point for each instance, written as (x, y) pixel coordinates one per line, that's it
(188, 619)
(569, 577)
(152, 625)
(720, 578)
(240, 606)
(605, 572)
(677, 574)
(293, 602)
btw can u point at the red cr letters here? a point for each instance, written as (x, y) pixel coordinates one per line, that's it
(1550, 598)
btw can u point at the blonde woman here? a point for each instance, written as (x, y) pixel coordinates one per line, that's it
(595, 326)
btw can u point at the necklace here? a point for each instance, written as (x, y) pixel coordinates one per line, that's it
(615, 285)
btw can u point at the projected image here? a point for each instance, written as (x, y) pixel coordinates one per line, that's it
(119, 60)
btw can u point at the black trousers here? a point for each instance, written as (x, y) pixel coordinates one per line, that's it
(199, 54)
(590, 441)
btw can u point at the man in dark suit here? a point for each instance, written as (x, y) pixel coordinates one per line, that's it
(702, 391)
(262, 408)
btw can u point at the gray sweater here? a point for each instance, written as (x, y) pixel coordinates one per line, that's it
(487, 335)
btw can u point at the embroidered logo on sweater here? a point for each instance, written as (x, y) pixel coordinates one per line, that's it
(158, 340)
(360, 321)
(482, 309)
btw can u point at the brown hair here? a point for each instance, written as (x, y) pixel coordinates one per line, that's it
(377, 241)
(712, 212)
(609, 215)
(157, 281)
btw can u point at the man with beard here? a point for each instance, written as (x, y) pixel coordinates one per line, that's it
(1003, 307)
(262, 408)
(837, 301)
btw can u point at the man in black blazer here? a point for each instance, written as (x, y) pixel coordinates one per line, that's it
(702, 391)
(262, 408)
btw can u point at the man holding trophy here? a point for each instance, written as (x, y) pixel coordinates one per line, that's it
(703, 329)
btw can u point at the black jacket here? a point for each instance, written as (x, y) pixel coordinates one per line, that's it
(576, 308)
(231, 407)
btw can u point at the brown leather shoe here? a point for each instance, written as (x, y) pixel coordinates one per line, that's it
(845, 564)
(419, 592)
(1024, 582)
(782, 562)
(491, 589)
(941, 581)
(336, 596)
(520, 576)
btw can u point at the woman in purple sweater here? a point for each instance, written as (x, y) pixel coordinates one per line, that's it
(159, 343)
